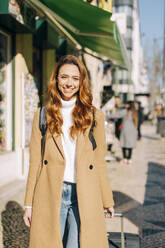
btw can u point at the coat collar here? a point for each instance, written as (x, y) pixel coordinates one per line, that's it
(80, 144)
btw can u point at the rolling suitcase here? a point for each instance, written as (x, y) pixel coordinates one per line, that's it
(121, 239)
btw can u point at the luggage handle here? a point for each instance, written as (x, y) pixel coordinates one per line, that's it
(122, 228)
(120, 215)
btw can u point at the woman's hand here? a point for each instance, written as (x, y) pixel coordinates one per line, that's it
(109, 212)
(27, 216)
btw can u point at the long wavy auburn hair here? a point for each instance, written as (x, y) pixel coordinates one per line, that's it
(82, 113)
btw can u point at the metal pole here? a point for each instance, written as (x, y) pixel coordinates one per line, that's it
(122, 233)
(164, 51)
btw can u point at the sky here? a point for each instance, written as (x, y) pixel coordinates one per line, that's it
(151, 21)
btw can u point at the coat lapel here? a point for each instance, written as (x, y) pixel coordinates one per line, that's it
(58, 142)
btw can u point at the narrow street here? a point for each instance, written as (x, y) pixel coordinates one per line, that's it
(138, 191)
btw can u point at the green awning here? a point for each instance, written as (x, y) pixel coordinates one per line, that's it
(105, 46)
(86, 25)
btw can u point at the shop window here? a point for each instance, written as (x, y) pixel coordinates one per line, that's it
(6, 104)
(3, 91)
(30, 102)
(106, 94)
(124, 97)
(129, 33)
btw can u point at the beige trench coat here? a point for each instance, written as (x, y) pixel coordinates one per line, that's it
(44, 188)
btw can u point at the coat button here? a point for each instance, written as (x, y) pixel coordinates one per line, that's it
(91, 167)
(45, 162)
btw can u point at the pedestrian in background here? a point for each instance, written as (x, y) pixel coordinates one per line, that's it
(110, 133)
(67, 195)
(118, 121)
(128, 136)
(159, 113)
(140, 119)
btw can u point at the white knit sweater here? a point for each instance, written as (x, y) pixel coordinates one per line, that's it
(69, 145)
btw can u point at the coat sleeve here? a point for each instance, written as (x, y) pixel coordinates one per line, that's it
(100, 152)
(34, 161)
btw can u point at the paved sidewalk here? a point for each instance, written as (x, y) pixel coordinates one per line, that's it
(139, 192)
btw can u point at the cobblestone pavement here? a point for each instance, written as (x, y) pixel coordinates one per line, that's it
(139, 192)
(13, 232)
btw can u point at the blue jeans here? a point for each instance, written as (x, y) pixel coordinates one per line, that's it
(69, 216)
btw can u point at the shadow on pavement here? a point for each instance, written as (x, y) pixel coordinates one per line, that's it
(130, 208)
(153, 227)
(15, 233)
(149, 217)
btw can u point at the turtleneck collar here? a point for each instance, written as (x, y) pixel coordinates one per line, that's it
(68, 104)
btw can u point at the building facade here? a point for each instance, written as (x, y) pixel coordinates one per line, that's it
(131, 85)
(123, 15)
(16, 62)
(139, 72)
(101, 72)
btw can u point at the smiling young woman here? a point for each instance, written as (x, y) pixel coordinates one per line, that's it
(68, 81)
(66, 195)
(68, 78)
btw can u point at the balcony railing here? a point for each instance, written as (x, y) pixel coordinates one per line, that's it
(129, 22)
(128, 43)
